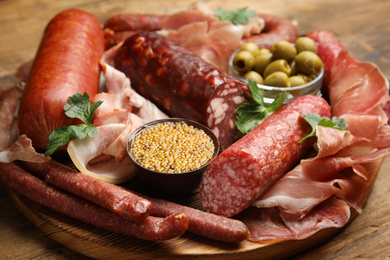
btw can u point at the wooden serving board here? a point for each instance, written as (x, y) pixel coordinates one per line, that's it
(99, 243)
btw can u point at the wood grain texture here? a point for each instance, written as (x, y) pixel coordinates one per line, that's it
(362, 26)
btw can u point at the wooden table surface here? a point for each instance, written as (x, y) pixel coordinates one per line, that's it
(363, 26)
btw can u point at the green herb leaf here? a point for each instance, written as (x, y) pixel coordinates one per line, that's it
(238, 16)
(79, 107)
(251, 115)
(316, 120)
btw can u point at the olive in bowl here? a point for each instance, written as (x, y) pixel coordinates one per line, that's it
(171, 154)
(281, 66)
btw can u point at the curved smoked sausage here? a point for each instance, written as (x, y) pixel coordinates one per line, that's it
(67, 61)
(110, 196)
(35, 189)
(250, 166)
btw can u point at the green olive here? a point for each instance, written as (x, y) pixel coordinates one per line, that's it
(297, 81)
(254, 76)
(283, 50)
(251, 47)
(243, 61)
(305, 44)
(263, 50)
(261, 61)
(277, 79)
(277, 65)
(308, 63)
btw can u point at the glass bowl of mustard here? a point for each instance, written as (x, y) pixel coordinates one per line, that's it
(171, 154)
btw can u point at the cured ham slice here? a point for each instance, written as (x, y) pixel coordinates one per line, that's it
(321, 190)
(213, 42)
(360, 91)
(22, 149)
(123, 110)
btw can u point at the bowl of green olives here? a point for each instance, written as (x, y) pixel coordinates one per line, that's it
(280, 66)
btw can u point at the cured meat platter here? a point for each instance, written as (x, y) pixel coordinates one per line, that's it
(102, 244)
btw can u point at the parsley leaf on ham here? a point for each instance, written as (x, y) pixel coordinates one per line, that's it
(79, 107)
(251, 115)
(316, 120)
(238, 16)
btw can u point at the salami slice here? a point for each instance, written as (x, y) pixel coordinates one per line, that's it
(183, 84)
(251, 165)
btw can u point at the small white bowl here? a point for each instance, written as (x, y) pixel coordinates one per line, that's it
(270, 92)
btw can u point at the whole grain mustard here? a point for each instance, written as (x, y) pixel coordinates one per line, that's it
(172, 148)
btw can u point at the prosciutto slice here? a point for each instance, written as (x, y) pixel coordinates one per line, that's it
(321, 191)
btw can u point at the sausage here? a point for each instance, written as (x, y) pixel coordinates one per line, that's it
(182, 84)
(202, 223)
(104, 194)
(136, 22)
(250, 166)
(67, 61)
(122, 26)
(35, 189)
(275, 29)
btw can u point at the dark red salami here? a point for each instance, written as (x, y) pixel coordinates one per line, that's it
(183, 84)
(107, 195)
(250, 166)
(152, 228)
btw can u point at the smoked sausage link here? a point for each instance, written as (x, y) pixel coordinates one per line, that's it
(250, 166)
(35, 189)
(67, 61)
(183, 84)
(202, 223)
(107, 195)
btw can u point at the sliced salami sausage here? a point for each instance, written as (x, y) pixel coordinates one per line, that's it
(183, 84)
(35, 189)
(251, 165)
(107, 195)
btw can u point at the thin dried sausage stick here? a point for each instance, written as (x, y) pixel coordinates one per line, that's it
(107, 195)
(183, 84)
(202, 223)
(35, 189)
(250, 166)
(67, 61)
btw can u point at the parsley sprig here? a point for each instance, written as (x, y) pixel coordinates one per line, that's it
(316, 120)
(79, 107)
(251, 115)
(238, 16)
